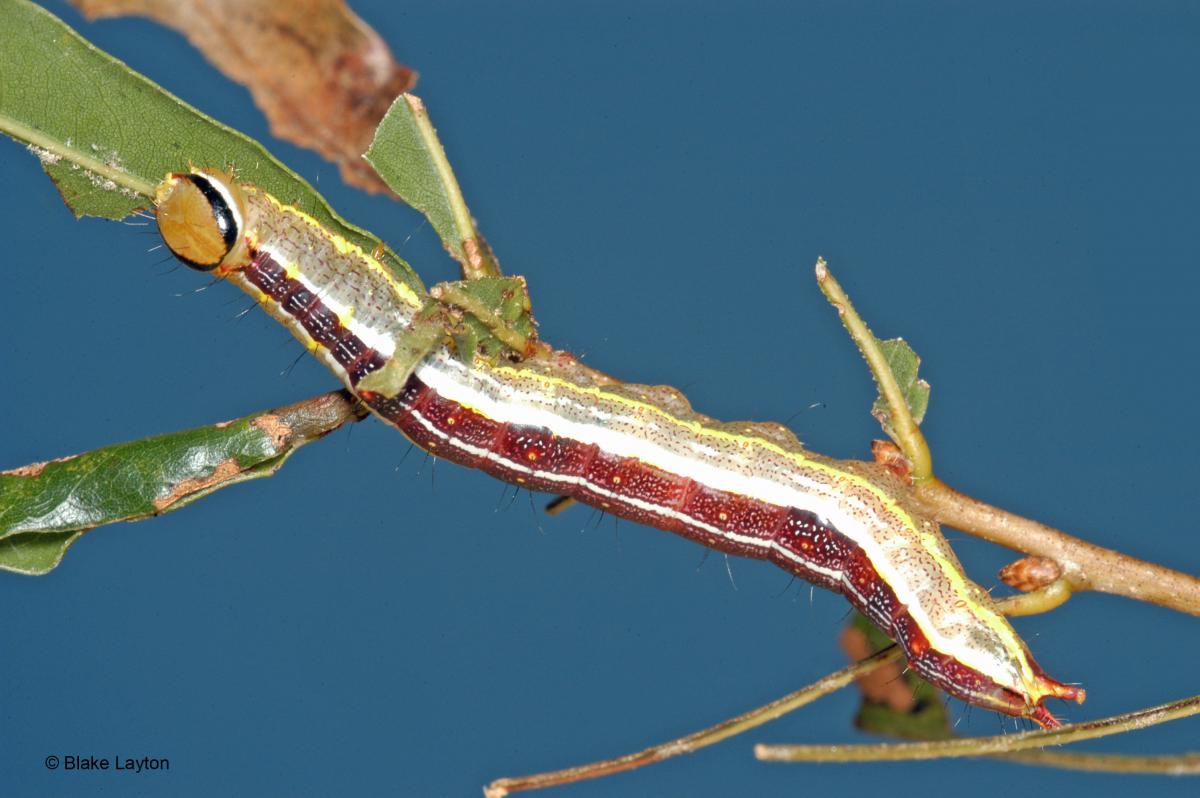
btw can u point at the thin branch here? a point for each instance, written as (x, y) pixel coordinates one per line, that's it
(979, 746)
(724, 730)
(1086, 566)
(560, 504)
(700, 739)
(1165, 765)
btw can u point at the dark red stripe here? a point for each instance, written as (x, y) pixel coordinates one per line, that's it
(270, 277)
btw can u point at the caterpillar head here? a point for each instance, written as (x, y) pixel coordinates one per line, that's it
(201, 216)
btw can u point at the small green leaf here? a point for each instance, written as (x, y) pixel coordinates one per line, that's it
(501, 305)
(408, 156)
(107, 135)
(903, 362)
(45, 507)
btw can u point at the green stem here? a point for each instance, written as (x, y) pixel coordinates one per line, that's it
(472, 251)
(911, 441)
(1038, 601)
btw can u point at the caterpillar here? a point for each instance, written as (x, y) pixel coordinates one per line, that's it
(639, 452)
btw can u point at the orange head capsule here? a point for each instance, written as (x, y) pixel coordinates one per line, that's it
(201, 216)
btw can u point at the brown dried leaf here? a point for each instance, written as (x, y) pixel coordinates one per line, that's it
(884, 685)
(889, 455)
(321, 75)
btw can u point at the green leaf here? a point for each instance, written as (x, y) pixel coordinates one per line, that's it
(107, 135)
(45, 507)
(903, 362)
(408, 156)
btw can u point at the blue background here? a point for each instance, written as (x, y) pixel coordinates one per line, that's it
(1012, 189)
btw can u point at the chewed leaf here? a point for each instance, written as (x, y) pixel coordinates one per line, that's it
(45, 507)
(321, 75)
(87, 192)
(408, 156)
(80, 114)
(903, 362)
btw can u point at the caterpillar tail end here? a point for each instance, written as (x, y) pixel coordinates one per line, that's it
(1049, 688)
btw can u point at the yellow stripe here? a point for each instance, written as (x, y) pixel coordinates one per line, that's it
(346, 247)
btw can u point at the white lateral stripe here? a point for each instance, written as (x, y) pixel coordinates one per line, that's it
(813, 497)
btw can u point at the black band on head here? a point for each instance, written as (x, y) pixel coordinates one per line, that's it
(222, 213)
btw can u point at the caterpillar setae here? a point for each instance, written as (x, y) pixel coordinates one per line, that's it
(639, 452)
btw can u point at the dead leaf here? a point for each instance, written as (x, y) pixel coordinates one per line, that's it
(322, 76)
(884, 685)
